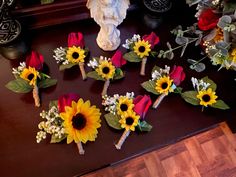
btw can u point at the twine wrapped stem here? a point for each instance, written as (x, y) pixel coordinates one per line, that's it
(80, 148)
(81, 67)
(142, 71)
(105, 87)
(122, 139)
(158, 100)
(36, 96)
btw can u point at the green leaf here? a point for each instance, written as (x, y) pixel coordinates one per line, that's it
(94, 75)
(113, 121)
(220, 104)
(191, 97)
(19, 86)
(67, 66)
(132, 57)
(53, 103)
(156, 68)
(118, 74)
(178, 90)
(213, 84)
(86, 51)
(54, 139)
(47, 83)
(150, 87)
(144, 126)
(153, 54)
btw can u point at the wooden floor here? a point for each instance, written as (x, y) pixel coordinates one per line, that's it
(209, 154)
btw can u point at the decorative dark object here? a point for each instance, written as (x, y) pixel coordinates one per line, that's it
(10, 30)
(154, 10)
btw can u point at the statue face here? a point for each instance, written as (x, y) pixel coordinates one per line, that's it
(107, 2)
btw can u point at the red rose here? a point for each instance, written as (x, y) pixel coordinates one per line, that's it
(76, 39)
(118, 60)
(66, 100)
(207, 20)
(177, 74)
(152, 39)
(141, 105)
(35, 60)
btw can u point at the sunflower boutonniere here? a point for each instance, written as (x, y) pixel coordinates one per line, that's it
(163, 82)
(70, 118)
(29, 76)
(127, 112)
(107, 69)
(141, 49)
(72, 55)
(204, 94)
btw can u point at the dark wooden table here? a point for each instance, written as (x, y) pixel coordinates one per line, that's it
(20, 155)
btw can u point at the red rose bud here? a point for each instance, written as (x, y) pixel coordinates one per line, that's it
(35, 60)
(76, 39)
(207, 20)
(66, 100)
(177, 74)
(152, 39)
(141, 105)
(118, 60)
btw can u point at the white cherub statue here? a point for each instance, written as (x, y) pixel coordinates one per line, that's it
(108, 14)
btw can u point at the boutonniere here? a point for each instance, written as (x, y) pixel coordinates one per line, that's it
(204, 94)
(72, 55)
(163, 82)
(127, 112)
(141, 49)
(70, 118)
(29, 76)
(107, 69)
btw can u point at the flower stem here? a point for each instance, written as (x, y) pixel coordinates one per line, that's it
(105, 87)
(36, 96)
(158, 100)
(122, 139)
(142, 71)
(80, 148)
(81, 67)
(199, 61)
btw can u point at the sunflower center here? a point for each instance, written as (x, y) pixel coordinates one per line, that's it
(164, 85)
(79, 121)
(141, 49)
(206, 98)
(106, 70)
(129, 120)
(30, 76)
(123, 107)
(75, 55)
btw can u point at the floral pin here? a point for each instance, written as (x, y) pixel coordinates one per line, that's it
(204, 94)
(72, 55)
(163, 82)
(127, 112)
(107, 69)
(29, 76)
(70, 118)
(141, 49)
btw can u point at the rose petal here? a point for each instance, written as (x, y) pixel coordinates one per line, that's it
(207, 20)
(35, 60)
(66, 100)
(118, 60)
(76, 39)
(141, 105)
(177, 74)
(152, 38)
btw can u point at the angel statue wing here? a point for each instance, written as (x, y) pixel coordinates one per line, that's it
(98, 12)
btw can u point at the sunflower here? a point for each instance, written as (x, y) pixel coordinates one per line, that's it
(30, 75)
(142, 48)
(124, 104)
(163, 85)
(219, 35)
(129, 120)
(105, 69)
(207, 97)
(81, 121)
(75, 54)
(233, 55)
